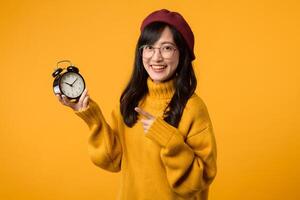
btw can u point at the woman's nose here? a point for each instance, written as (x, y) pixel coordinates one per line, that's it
(157, 55)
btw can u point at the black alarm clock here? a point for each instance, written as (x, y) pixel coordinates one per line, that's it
(68, 81)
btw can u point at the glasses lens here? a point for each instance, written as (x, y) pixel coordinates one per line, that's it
(148, 51)
(165, 50)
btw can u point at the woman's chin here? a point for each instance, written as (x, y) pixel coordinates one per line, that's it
(158, 79)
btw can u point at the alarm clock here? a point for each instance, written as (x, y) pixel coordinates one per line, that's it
(68, 81)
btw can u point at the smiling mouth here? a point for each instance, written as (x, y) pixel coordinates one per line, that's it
(158, 67)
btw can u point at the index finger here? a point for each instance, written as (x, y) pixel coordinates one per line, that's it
(144, 113)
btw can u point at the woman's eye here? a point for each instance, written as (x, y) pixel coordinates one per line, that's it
(148, 47)
(168, 48)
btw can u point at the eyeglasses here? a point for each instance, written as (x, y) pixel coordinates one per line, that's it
(166, 50)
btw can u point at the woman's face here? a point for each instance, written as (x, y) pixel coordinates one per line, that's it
(161, 66)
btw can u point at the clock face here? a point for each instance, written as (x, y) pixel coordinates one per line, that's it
(72, 84)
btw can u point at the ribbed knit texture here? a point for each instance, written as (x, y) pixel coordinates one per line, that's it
(166, 163)
(159, 90)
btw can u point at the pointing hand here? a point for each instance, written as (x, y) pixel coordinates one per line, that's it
(147, 120)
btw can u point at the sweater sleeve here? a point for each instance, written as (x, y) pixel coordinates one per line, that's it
(190, 163)
(104, 145)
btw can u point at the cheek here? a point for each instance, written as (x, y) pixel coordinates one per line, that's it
(174, 64)
(145, 63)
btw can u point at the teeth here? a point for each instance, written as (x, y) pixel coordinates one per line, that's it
(158, 67)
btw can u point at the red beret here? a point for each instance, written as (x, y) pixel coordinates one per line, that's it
(177, 21)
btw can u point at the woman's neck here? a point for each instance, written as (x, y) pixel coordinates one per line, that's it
(161, 90)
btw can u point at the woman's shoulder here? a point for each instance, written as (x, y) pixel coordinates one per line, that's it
(196, 109)
(196, 103)
(116, 110)
(195, 116)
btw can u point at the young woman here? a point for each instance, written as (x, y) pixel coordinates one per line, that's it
(161, 136)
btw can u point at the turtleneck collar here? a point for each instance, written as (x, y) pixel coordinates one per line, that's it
(164, 90)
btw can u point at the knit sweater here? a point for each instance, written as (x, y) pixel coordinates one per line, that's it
(165, 163)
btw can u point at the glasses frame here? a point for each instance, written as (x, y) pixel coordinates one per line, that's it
(159, 49)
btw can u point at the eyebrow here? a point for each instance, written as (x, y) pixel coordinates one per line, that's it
(165, 43)
(168, 43)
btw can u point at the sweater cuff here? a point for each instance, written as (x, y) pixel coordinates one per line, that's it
(161, 132)
(91, 115)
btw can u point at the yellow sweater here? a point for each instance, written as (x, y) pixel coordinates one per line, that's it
(166, 163)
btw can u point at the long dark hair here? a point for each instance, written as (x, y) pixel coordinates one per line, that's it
(185, 82)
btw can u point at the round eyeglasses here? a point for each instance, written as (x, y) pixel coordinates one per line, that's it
(166, 50)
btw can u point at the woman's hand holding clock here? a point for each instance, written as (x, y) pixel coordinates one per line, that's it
(82, 103)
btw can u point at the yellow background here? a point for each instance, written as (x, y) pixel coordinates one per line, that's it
(248, 75)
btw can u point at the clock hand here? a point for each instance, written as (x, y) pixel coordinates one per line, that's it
(74, 82)
(68, 84)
